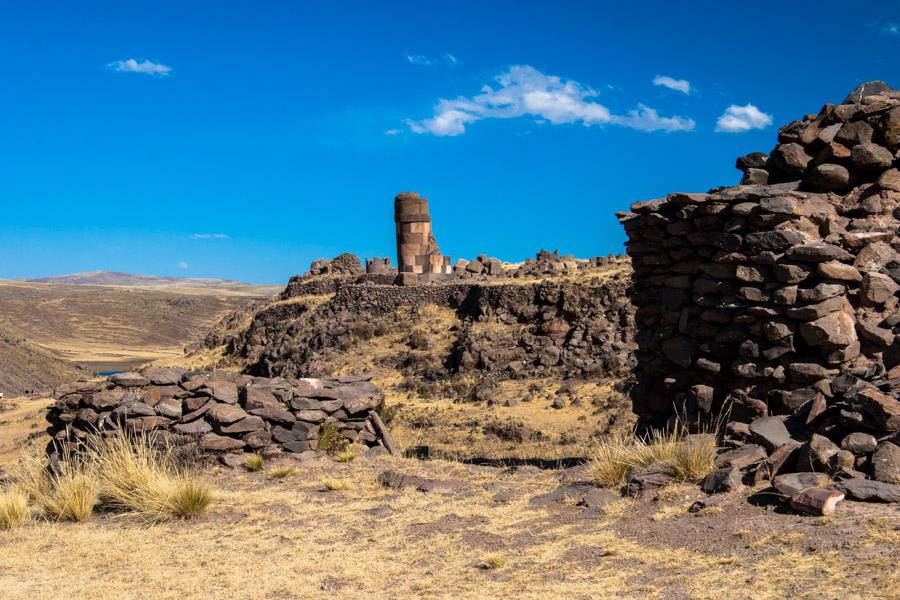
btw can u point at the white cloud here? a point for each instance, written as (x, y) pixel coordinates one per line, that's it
(523, 90)
(738, 119)
(451, 59)
(891, 29)
(183, 265)
(418, 59)
(678, 85)
(209, 236)
(393, 132)
(146, 67)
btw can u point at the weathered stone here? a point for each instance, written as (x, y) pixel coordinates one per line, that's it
(212, 442)
(871, 157)
(245, 425)
(838, 270)
(791, 484)
(815, 311)
(223, 391)
(829, 177)
(791, 159)
(817, 253)
(886, 463)
(726, 479)
(311, 416)
(815, 454)
(816, 501)
(859, 443)
(651, 478)
(867, 490)
(253, 398)
(883, 409)
(193, 428)
(774, 240)
(129, 379)
(770, 432)
(835, 329)
(160, 376)
(225, 414)
(742, 456)
(877, 288)
(275, 415)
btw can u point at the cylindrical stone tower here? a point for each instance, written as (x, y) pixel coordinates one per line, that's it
(417, 250)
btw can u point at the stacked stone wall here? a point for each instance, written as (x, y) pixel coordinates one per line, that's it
(219, 412)
(780, 299)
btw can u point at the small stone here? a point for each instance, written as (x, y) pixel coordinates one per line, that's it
(245, 425)
(129, 379)
(837, 270)
(859, 443)
(815, 454)
(726, 479)
(817, 253)
(742, 457)
(867, 490)
(871, 157)
(816, 501)
(877, 288)
(214, 443)
(770, 432)
(225, 414)
(886, 463)
(829, 178)
(791, 484)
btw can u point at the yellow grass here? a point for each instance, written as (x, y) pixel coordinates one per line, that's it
(284, 472)
(134, 474)
(13, 508)
(616, 457)
(254, 462)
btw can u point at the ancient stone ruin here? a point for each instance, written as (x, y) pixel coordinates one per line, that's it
(776, 301)
(417, 249)
(221, 412)
(379, 266)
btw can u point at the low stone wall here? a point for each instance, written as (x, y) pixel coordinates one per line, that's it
(220, 412)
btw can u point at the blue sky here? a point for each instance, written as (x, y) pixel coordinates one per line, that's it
(242, 140)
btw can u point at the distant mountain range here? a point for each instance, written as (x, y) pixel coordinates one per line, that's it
(132, 280)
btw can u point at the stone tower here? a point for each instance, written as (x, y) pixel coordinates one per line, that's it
(417, 250)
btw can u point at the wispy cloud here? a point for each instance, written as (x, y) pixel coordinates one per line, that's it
(393, 132)
(183, 265)
(418, 59)
(146, 67)
(678, 85)
(738, 119)
(891, 29)
(421, 60)
(523, 90)
(209, 236)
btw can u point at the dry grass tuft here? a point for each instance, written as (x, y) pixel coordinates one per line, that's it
(347, 454)
(13, 508)
(283, 472)
(492, 562)
(686, 458)
(68, 493)
(336, 484)
(134, 474)
(254, 462)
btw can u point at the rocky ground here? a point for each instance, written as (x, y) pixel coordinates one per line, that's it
(336, 530)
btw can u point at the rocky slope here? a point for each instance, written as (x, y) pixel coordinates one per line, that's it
(28, 368)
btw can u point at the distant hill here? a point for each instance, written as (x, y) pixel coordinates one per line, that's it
(28, 367)
(132, 280)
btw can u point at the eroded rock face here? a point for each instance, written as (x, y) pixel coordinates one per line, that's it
(782, 293)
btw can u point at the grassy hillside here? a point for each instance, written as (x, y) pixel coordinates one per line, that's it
(110, 328)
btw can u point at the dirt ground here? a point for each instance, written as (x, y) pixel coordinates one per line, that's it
(332, 531)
